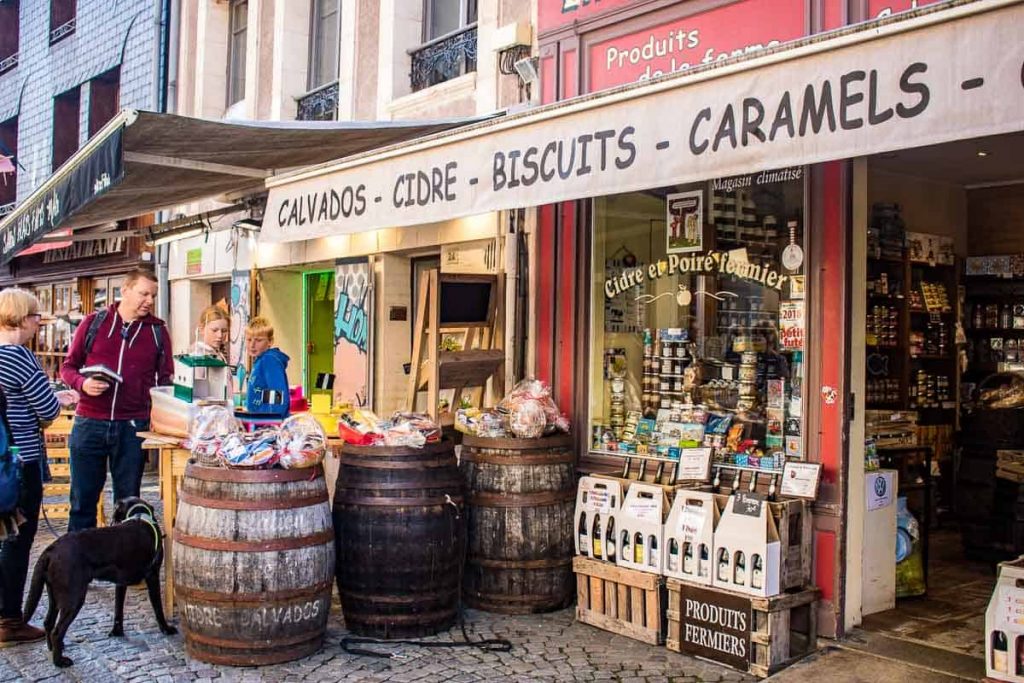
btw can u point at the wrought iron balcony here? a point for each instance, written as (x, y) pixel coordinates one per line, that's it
(444, 58)
(8, 63)
(62, 31)
(320, 104)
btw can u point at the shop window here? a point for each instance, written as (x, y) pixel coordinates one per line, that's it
(324, 41)
(8, 165)
(65, 125)
(698, 317)
(449, 36)
(236, 50)
(8, 35)
(62, 19)
(104, 99)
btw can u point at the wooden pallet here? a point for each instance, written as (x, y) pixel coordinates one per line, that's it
(625, 601)
(784, 627)
(59, 457)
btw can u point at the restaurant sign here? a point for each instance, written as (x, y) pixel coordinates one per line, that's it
(99, 171)
(890, 87)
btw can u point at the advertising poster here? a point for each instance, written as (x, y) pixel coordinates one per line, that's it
(791, 325)
(353, 300)
(685, 229)
(240, 314)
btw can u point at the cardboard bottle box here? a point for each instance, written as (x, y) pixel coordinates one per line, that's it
(1004, 624)
(597, 501)
(640, 528)
(689, 537)
(748, 553)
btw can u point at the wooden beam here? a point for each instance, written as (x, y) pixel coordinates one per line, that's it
(207, 166)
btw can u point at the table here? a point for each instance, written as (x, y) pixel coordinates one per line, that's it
(173, 459)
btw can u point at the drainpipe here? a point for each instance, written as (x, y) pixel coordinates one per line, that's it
(163, 298)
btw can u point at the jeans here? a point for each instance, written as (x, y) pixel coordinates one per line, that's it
(91, 442)
(14, 553)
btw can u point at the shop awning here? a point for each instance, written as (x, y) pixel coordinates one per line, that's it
(141, 162)
(934, 75)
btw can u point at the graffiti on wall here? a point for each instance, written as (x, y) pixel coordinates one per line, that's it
(353, 302)
(240, 296)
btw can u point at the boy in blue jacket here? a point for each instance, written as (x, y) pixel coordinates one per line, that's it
(268, 383)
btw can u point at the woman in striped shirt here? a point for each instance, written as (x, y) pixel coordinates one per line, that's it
(31, 402)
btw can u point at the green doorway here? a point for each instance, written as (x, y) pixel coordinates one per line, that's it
(318, 326)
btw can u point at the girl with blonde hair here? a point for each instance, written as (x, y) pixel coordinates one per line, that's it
(213, 331)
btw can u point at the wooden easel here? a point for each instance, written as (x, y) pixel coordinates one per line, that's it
(480, 358)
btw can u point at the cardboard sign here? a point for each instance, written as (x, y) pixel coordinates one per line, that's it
(694, 464)
(640, 529)
(748, 504)
(689, 536)
(791, 325)
(800, 480)
(715, 625)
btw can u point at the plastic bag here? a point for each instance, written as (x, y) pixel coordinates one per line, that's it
(534, 390)
(301, 442)
(252, 449)
(411, 430)
(209, 430)
(527, 419)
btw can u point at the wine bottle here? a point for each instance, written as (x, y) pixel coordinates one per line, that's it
(673, 555)
(756, 573)
(609, 540)
(704, 561)
(1000, 662)
(597, 538)
(584, 537)
(638, 548)
(652, 551)
(688, 560)
(723, 564)
(627, 547)
(739, 576)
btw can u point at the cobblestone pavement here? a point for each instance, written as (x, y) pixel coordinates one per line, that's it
(549, 647)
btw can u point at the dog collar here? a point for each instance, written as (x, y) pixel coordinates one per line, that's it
(146, 517)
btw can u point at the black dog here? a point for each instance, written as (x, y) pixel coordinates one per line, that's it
(124, 554)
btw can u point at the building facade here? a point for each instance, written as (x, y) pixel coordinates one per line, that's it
(359, 61)
(66, 68)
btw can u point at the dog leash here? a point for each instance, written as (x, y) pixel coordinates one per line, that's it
(485, 644)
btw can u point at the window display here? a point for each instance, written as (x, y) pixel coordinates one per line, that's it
(698, 327)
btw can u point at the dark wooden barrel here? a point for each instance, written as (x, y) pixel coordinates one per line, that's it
(400, 535)
(521, 498)
(253, 563)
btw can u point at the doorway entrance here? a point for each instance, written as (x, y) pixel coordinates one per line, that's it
(318, 326)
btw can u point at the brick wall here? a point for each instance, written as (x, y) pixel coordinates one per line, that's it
(46, 70)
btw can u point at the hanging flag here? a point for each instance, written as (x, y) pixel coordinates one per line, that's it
(6, 166)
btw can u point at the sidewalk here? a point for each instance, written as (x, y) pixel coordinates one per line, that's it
(549, 647)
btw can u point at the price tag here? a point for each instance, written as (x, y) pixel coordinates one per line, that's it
(800, 479)
(748, 504)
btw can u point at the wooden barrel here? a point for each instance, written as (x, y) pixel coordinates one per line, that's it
(521, 498)
(400, 536)
(253, 562)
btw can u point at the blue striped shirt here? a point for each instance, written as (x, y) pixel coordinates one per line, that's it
(30, 399)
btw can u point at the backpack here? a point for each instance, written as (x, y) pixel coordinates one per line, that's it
(10, 467)
(97, 322)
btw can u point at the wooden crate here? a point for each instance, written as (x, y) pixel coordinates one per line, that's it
(783, 627)
(59, 457)
(628, 602)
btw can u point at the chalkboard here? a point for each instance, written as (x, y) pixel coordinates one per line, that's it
(465, 302)
(749, 504)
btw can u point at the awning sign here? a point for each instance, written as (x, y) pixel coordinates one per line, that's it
(97, 173)
(835, 99)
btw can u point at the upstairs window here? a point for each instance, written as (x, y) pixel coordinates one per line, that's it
(8, 165)
(447, 16)
(62, 19)
(66, 108)
(104, 98)
(449, 37)
(236, 50)
(323, 59)
(8, 35)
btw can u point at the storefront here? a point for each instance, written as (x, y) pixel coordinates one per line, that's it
(765, 145)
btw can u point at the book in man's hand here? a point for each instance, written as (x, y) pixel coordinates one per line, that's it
(102, 373)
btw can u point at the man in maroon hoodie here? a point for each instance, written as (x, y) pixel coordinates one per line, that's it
(132, 342)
